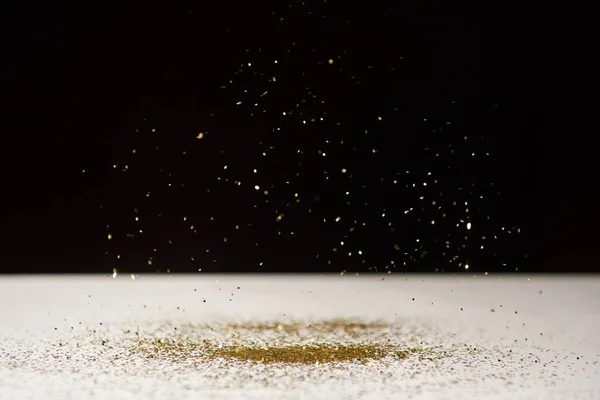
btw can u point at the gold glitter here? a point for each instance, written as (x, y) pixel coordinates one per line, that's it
(328, 342)
(314, 354)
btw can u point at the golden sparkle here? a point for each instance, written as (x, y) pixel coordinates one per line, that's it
(314, 354)
(328, 342)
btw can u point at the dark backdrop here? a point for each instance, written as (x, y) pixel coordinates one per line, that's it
(83, 88)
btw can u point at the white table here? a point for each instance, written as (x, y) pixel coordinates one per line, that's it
(510, 337)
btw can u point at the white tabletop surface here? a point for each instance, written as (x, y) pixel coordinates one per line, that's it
(505, 337)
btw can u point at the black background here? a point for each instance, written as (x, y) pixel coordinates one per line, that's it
(75, 78)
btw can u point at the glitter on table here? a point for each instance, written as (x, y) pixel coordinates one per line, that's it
(302, 336)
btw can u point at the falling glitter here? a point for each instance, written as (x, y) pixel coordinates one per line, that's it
(285, 142)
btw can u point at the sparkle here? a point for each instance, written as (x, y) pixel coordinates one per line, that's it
(280, 347)
(331, 143)
(312, 354)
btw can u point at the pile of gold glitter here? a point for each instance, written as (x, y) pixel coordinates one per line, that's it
(304, 354)
(296, 343)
